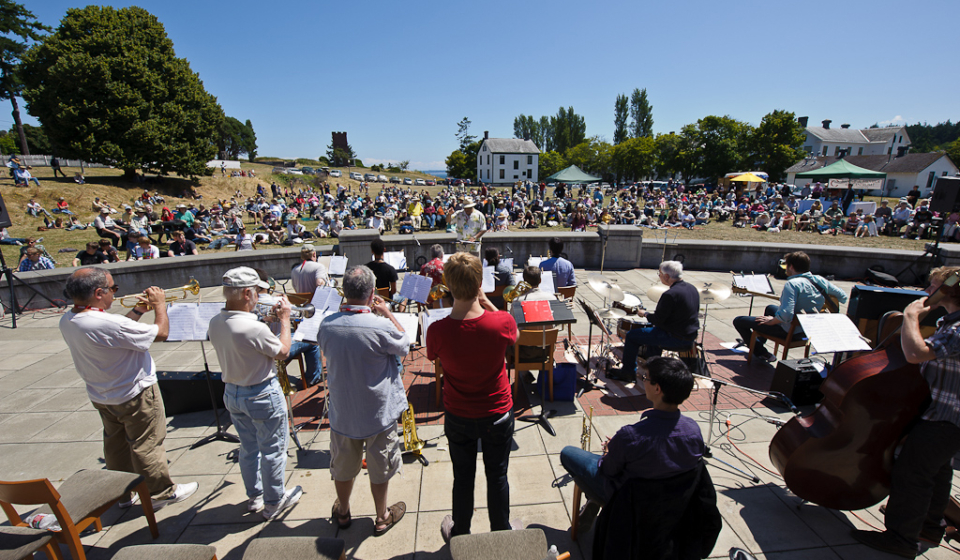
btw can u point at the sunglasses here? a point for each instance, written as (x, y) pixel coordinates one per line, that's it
(114, 289)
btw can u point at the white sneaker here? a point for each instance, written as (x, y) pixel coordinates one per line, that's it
(255, 504)
(181, 493)
(133, 499)
(290, 499)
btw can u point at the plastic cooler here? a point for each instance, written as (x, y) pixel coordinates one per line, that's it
(564, 382)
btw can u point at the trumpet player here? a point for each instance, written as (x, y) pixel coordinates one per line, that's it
(247, 351)
(363, 344)
(112, 355)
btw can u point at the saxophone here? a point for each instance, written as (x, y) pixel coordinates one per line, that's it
(285, 385)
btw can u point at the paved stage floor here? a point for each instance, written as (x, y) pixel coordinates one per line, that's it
(48, 428)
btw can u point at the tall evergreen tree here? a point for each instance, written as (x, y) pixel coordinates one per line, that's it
(621, 112)
(642, 113)
(463, 134)
(17, 26)
(108, 88)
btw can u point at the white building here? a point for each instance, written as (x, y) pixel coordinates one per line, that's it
(507, 160)
(903, 172)
(825, 141)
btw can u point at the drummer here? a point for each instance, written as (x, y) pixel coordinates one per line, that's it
(673, 325)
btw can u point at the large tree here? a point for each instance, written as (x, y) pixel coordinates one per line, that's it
(108, 88)
(635, 158)
(720, 145)
(776, 144)
(569, 129)
(642, 113)
(17, 26)
(621, 112)
(550, 163)
(462, 164)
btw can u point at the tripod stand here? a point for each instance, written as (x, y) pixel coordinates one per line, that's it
(221, 433)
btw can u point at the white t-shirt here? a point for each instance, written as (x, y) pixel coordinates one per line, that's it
(245, 347)
(111, 354)
(152, 252)
(305, 276)
(245, 243)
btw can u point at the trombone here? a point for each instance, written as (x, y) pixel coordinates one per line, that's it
(192, 287)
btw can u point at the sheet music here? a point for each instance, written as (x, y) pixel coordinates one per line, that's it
(409, 322)
(416, 287)
(507, 261)
(308, 329)
(326, 298)
(759, 283)
(396, 259)
(430, 317)
(190, 321)
(446, 258)
(489, 281)
(338, 265)
(546, 281)
(832, 332)
(535, 261)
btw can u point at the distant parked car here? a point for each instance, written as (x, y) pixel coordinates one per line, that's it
(369, 177)
(407, 181)
(278, 170)
(395, 179)
(308, 170)
(335, 173)
(294, 171)
(420, 183)
(381, 178)
(431, 183)
(356, 176)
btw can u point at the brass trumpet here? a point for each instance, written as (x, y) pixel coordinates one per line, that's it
(192, 287)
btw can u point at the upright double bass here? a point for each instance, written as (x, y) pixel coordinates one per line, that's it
(841, 455)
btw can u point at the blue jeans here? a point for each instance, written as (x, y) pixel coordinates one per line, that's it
(13, 241)
(584, 467)
(311, 361)
(220, 243)
(746, 325)
(495, 441)
(655, 339)
(431, 220)
(259, 413)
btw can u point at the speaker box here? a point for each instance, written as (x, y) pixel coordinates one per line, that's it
(187, 391)
(4, 214)
(799, 380)
(946, 195)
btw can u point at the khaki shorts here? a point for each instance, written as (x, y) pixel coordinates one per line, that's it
(383, 456)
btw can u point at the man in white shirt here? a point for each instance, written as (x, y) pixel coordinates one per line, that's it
(309, 274)
(111, 354)
(145, 250)
(248, 351)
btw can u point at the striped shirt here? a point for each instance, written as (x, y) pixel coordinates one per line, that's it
(943, 373)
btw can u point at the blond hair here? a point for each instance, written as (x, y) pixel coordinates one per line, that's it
(463, 275)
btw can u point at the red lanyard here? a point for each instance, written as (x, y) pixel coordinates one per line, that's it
(354, 309)
(87, 308)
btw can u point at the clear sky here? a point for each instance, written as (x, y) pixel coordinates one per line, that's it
(398, 76)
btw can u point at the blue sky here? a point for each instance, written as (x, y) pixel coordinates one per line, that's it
(398, 76)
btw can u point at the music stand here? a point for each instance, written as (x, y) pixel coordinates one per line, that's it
(221, 433)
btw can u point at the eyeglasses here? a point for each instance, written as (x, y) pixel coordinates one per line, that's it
(113, 289)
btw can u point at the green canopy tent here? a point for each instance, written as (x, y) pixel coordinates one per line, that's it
(841, 170)
(573, 174)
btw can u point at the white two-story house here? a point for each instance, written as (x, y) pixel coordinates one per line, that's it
(823, 141)
(507, 160)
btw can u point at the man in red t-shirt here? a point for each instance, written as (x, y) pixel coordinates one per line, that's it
(470, 344)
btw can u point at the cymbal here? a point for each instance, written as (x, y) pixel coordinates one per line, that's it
(611, 313)
(713, 293)
(604, 288)
(655, 292)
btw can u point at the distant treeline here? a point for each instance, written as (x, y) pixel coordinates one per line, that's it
(932, 137)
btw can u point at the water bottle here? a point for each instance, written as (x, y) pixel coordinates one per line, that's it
(44, 521)
(552, 553)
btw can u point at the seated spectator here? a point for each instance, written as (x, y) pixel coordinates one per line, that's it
(35, 261)
(922, 219)
(181, 246)
(951, 228)
(140, 222)
(107, 228)
(33, 243)
(901, 217)
(867, 228)
(26, 177)
(804, 222)
(145, 250)
(883, 215)
(75, 224)
(851, 225)
(689, 220)
(529, 222)
(56, 223)
(6, 239)
(376, 222)
(90, 256)
(762, 222)
(78, 178)
(109, 250)
(673, 220)
(296, 230)
(63, 207)
(34, 208)
(405, 224)
(244, 242)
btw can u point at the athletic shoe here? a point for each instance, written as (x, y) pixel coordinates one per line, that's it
(762, 353)
(290, 499)
(588, 514)
(446, 528)
(134, 499)
(255, 504)
(181, 493)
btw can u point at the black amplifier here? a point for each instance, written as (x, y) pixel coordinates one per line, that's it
(799, 380)
(187, 391)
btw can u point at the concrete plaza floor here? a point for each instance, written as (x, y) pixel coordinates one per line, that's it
(48, 428)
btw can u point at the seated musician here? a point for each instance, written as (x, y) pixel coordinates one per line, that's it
(803, 293)
(662, 444)
(559, 265)
(385, 273)
(533, 275)
(502, 274)
(674, 323)
(920, 485)
(434, 268)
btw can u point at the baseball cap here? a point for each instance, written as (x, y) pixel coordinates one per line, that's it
(244, 277)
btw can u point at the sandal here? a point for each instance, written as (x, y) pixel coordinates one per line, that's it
(396, 514)
(343, 521)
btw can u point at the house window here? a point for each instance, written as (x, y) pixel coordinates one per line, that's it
(529, 160)
(488, 174)
(836, 150)
(502, 160)
(501, 173)
(516, 164)
(860, 151)
(516, 177)
(900, 141)
(825, 150)
(930, 178)
(524, 174)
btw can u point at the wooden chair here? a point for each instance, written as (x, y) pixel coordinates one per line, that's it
(438, 377)
(167, 552)
(384, 293)
(21, 542)
(565, 293)
(78, 503)
(545, 339)
(787, 342)
(300, 299)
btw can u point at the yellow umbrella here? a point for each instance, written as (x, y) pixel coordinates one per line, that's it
(749, 178)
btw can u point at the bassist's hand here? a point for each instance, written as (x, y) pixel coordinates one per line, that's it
(917, 309)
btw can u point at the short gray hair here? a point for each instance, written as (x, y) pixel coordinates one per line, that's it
(673, 269)
(84, 282)
(233, 293)
(358, 283)
(436, 252)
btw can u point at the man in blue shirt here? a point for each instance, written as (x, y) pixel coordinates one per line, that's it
(662, 444)
(803, 293)
(561, 267)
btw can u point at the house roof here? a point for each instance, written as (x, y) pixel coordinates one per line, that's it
(881, 134)
(857, 136)
(511, 146)
(909, 163)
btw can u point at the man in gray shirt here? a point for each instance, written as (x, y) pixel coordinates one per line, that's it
(364, 344)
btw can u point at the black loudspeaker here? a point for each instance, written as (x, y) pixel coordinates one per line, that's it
(4, 215)
(799, 380)
(946, 195)
(186, 391)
